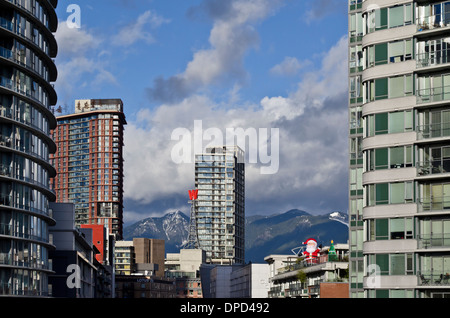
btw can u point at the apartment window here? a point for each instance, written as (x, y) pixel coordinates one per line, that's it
(391, 264)
(392, 52)
(382, 88)
(390, 229)
(433, 88)
(392, 17)
(435, 196)
(355, 117)
(378, 229)
(355, 26)
(400, 51)
(355, 181)
(389, 193)
(356, 57)
(378, 20)
(378, 54)
(401, 228)
(395, 16)
(400, 122)
(435, 231)
(401, 264)
(400, 157)
(400, 86)
(379, 89)
(380, 158)
(400, 15)
(389, 158)
(433, 15)
(355, 87)
(383, 123)
(355, 148)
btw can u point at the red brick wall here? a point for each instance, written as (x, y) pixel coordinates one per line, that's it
(334, 290)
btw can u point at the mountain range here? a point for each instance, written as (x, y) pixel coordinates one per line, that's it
(264, 235)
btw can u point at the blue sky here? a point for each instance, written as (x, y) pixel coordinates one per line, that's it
(238, 63)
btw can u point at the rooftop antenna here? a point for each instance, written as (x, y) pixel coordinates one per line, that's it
(192, 242)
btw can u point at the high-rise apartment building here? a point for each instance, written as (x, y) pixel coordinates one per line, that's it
(399, 106)
(220, 207)
(89, 162)
(27, 47)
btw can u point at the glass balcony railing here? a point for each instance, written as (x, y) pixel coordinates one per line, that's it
(8, 229)
(8, 289)
(7, 54)
(427, 241)
(10, 201)
(435, 166)
(6, 171)
(6, 24)
(434, 204)
(433, 131)
(433, 21)
(437, 57)
(434, 94)
(16, 57)
(433, 278)
(32, 10)
(20, 145)
(24, 119)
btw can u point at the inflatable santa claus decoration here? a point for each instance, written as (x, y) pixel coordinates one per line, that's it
(312, 250)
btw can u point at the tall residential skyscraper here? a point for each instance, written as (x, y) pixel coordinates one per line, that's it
(399, 106)
(220, 207)
(89, 162)
(27, 47)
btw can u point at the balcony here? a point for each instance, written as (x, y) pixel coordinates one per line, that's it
(433, 278)
(433, 167)
(434, 204)
(297, 289)
(304, 263)
(7, 289)
(438, 130)
(436, 21)
(433, 95)
(11, 201)
(427, 59)
(276, 292)
(432, 241)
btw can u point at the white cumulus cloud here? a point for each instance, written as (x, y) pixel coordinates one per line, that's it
(312, 123)
(139, 30)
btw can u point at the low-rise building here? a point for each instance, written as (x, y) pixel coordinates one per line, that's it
(250, 281)
(299, 276)
(140, 270)
(184, 267)
(144, 286)
(73, 261)
(124, 257)
(235, 281)
(140, 250)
